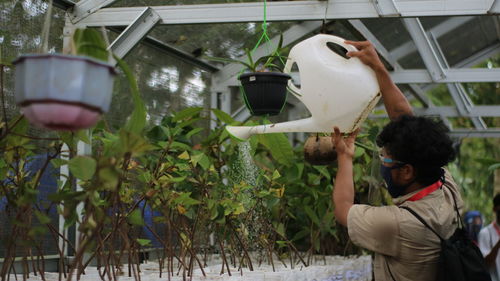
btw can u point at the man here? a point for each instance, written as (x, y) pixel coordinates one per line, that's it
(414, 150)
(489, 242)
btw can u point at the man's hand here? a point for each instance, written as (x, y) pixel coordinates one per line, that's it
(344, 146)
(367, 54)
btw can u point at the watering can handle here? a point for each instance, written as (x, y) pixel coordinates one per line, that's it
(288, 69)
(338, 41)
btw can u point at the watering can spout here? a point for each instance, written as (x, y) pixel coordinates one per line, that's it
(239, 132)
(243, 133)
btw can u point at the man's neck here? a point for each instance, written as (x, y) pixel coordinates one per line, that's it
(413, 187)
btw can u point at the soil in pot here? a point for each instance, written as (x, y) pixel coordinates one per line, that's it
(264, 92)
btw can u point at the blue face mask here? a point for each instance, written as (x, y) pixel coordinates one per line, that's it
(394, 189)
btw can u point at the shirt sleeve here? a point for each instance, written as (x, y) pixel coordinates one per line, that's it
(484, 241)
(374, 228)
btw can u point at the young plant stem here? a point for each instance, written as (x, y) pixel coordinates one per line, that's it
(243, 246)
(224, 261)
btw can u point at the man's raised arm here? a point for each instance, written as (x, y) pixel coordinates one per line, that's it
(395, 102)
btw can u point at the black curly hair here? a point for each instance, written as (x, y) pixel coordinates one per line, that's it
(496, 200)
(420, 142)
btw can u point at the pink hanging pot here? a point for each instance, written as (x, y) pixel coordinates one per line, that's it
(63, 92)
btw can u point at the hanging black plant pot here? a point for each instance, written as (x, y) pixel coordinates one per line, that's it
(264, 92)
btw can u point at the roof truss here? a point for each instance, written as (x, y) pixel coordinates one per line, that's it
(94, 13)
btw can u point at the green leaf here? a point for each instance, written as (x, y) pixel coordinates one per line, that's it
(193, 132)
(180, 145)
(494, 167)
(201, 159)
(281, 229)
(137, 120)
(133, 143)
(223, 116)
(42, 218)
(323, 171)
(83, 135)
(279, 147)
(135, 218)
(82, 167)
(143, 242)
(312, 215)
(187, 113)
(358, 152)
(276, 175)
(185, 199)
(301, 234)
(57, 162)
(109, 177)
(89, 42)
(184, 155)
(177, 179)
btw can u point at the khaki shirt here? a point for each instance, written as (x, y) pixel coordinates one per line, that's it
(400, 241)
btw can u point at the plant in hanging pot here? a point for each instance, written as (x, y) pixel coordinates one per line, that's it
(66, 92)
(263, 84)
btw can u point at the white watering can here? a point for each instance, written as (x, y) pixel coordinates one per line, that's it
(337, 91)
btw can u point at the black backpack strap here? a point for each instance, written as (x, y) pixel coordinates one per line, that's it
(421, 220)
(461, 223)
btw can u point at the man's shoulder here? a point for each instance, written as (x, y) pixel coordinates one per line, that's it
(377, 214)
(487, 228)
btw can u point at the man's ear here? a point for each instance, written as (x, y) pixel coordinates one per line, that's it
(408, 172)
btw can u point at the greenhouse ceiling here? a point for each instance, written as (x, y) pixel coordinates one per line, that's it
(425, 43)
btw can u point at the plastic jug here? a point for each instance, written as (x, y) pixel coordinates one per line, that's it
(336, 91)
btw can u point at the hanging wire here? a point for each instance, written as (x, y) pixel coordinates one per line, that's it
(44, 47)
(323, 26)
(263, 38)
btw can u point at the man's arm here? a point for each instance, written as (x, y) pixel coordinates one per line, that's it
(492, 256)
(489, 251)
(395, 102)
(343, 190)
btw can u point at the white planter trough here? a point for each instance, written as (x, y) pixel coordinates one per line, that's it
(63, 92)
(330, 268)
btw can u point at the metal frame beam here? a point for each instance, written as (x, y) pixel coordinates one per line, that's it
(172, 51)
(85, 8)
(465, 133)
(134, 33)
(453, 75)
(428, 54)
(438, 30)
(435, 61)
(282, 11)
(386, 8)
(452, 111)
(461, 98)
(422, 76)
(495, 7)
